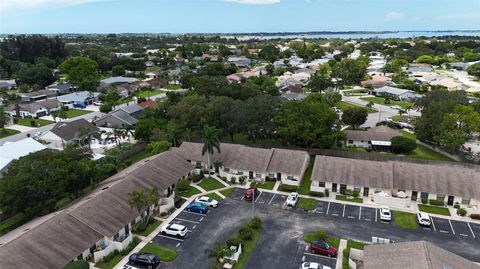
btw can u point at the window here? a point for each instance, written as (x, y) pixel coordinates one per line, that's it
(272, 175)
(258, 175)
(240, 173)
(424, 195)
(441, 197)
(343, 186)
(321, 184)
(466, 201)
(198, 165)
(350, 141)
(357, 189)
(290, 177)
(226, 169)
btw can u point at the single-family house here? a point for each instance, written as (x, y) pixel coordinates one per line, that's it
(37, 95)
(157, 83)
(69, 132)
(377, 82)
(99, 223)
(11, 151)
(123, 117)
(239, 61)
(449, 183)
(84, 97)
(419, 68)
(376, 138)
(394, 93)
(61, 88)
(294, 96)
(105, 83)
(125, 89)
(287, 166)
(23, 111)
(448, 83)
(234, 78)
(8, 84)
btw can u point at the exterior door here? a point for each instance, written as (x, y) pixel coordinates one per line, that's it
(450, 200)
(365, 191)
(414, 195)
(250, 174)
(279, 176)
(334, 187)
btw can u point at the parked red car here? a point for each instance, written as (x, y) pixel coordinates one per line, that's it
(320, 247)
(249, 194)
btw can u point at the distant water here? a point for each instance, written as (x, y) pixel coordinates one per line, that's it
(361, 35)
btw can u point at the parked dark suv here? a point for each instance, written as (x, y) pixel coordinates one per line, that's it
(249, 193)
(144, 259)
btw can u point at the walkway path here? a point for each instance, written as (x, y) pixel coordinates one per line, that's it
(341, 247)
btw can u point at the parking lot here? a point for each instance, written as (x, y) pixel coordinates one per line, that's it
(281, 244)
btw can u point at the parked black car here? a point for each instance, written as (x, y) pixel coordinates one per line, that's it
(145, 259)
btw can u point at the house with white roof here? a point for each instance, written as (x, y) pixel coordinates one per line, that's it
(11, 151)
(394, 93)
(83, 97)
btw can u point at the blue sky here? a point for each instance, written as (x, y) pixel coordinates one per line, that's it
(194, 16)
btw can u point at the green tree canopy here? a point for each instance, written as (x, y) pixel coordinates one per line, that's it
(355, 116)
(81, 71)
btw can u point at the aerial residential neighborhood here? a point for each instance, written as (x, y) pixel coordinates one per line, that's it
(239, 134)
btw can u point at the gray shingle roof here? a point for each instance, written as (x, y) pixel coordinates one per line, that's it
(418, 255)
(379, 133)
(432, 178)
(132, 108)
(116, 118)
(71, 129)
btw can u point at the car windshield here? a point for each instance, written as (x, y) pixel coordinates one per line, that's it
(210, 199)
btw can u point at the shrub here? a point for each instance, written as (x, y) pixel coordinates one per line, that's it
(424, 201)
(401, 144)
(139, 227)
(327, 192)
(437, 202)
(233, 180)
(242, 179)
(475, 216)
(322, 235)
(355, 194)
(287, 188)
(233, 241)
(157, 147)
(182, 185)
(316, 193)
(246, 233)
(224, 179)
(343, 192)
(110, 256)
(255, 223)
(33, 123)
(15, 120)
(457, 205)
(80, 264)
(461, 212)
(135, 241)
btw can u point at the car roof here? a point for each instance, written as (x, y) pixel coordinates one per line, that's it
(176, 226)
(424, 215)
(385, 208)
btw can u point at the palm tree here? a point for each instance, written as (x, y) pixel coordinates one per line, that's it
(152, 196)
(211, 141)
(119, 134)
(86, 134)
(218, 252)
(4, 118)
(138, 200)
(175, 133)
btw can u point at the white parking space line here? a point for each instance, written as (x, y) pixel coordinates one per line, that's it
(335, 214)
(471, 230)
(194, 213)
(201, 218)
(318, 255)
(196, 222)
(433, 224)
(376, 215)
(451, 226)
(303, 258)
(178, 244)
(272, 198)
(241, 199)
(258, 196)
(343, 214)
(360, 213)
(169, 237)
(194, 226)
(328, 207)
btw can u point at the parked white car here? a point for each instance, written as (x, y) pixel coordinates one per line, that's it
(97, 103)
(207, 201)
(174, 230)
(424, 219)
(292, 199)
(396, 107)
(313, 265)
(385, 214)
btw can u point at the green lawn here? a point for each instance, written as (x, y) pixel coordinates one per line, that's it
(345, 198)
(422, 152)
(243, 139)
(307, 178)
(307, 203)
(381, 101)
(434, 210)
(247, 249)
(401, 118)
(346, 251)
(342, 105)
(191, 191)
(151, 227)
(13, 222)
(149, 93)
(163, 253)
(404, 220)
(266, 185)
(110, 264)
(331, 240)
(37, 122)
(214, 196)
(137, 157)
(4, 132)
(227, 192)
(210, 184)
(174, 86)
(72, 113)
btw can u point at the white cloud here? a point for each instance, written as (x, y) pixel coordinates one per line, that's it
(394, 15)
(20, 5)
(255, 2)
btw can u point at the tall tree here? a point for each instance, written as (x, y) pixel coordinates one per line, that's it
(81, 71)
(211, 142)
(138, 200)
(355, 116)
